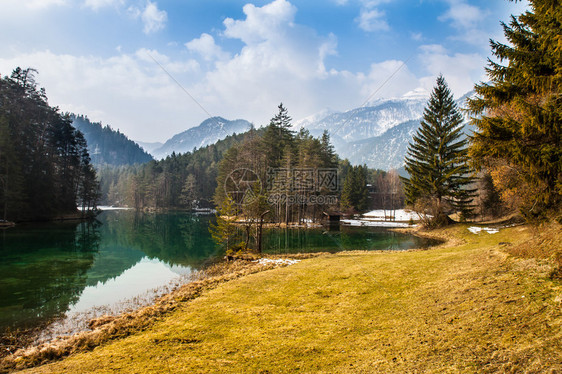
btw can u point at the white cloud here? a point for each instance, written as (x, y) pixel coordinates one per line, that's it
(372, 20)
(153, 18)
(463, 15)
(469, 21)
(461, 70)
(98, 4)
(41, 4)
(127, 91)
(262, 23)
(206, 47)
(373, 85)
(279, 61)
(11, 6)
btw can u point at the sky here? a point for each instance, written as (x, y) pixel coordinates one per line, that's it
(154, 68)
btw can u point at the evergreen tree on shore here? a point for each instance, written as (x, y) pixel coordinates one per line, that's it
(519, 112)
(355, 195)
(437, 160)
(44, 163)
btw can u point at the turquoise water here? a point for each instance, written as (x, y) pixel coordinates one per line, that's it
(51, 270)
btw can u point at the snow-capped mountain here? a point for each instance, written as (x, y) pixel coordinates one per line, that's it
(378, 134)
(367, 122)
(208, 132)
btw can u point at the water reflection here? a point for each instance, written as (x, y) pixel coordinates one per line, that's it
(51, 270)
(43, 269)
(330, 239)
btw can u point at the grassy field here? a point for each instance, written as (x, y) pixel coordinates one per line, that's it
(465, 306)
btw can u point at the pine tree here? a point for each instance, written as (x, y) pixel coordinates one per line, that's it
(437, 160)
(520, 109)
(278, 136)
(355, 195)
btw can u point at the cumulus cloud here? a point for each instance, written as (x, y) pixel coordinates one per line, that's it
(127, 91)
(269, 22)
(467, 20)
(153, 18)
(372, 20)
(205, 46)
(279, 61)
(460, 70)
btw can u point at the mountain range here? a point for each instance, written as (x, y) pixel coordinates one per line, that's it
(208, 132)
(377, 134)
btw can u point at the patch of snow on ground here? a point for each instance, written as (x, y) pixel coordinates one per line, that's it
(399, 214)
(358, 222)
(278, 261)
(476, 230)
(107, 207)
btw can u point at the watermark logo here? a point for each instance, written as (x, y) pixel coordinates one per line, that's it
(243, 186)
(303, 180)
(310, 186)
(313, 186)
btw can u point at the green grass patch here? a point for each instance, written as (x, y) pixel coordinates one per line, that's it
(465, 306)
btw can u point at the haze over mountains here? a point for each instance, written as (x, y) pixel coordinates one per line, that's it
(208, 132)
(377, 134)
(107, 146)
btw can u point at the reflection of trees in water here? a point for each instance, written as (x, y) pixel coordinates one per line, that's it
(44, 270)
(294, 240)
(175, 238)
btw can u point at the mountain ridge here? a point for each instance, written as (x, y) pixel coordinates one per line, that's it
(206, 133)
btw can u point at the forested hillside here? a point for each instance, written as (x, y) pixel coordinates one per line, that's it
(45, 167)
(179, 181)
(107, 146)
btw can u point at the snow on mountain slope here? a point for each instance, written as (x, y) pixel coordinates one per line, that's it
(208, 132)
(377, 135)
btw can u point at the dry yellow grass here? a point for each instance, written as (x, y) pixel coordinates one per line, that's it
(462, 307)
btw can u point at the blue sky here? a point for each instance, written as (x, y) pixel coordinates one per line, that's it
(240, 59)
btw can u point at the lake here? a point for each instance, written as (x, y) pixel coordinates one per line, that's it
(75, 271)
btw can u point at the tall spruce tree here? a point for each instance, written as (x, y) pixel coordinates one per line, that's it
(437, 160)
(355, 194)
(278, 137)
(519, 111)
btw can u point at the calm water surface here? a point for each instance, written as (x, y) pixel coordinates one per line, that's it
(49, 271)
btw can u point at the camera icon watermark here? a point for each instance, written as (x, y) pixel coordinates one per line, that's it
(310, 186)
(243, 186)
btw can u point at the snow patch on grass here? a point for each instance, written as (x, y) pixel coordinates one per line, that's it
(359, 222)
(278, 261)
(489, 230)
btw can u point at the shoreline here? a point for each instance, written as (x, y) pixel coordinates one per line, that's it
(106, 328)
(450, 308)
